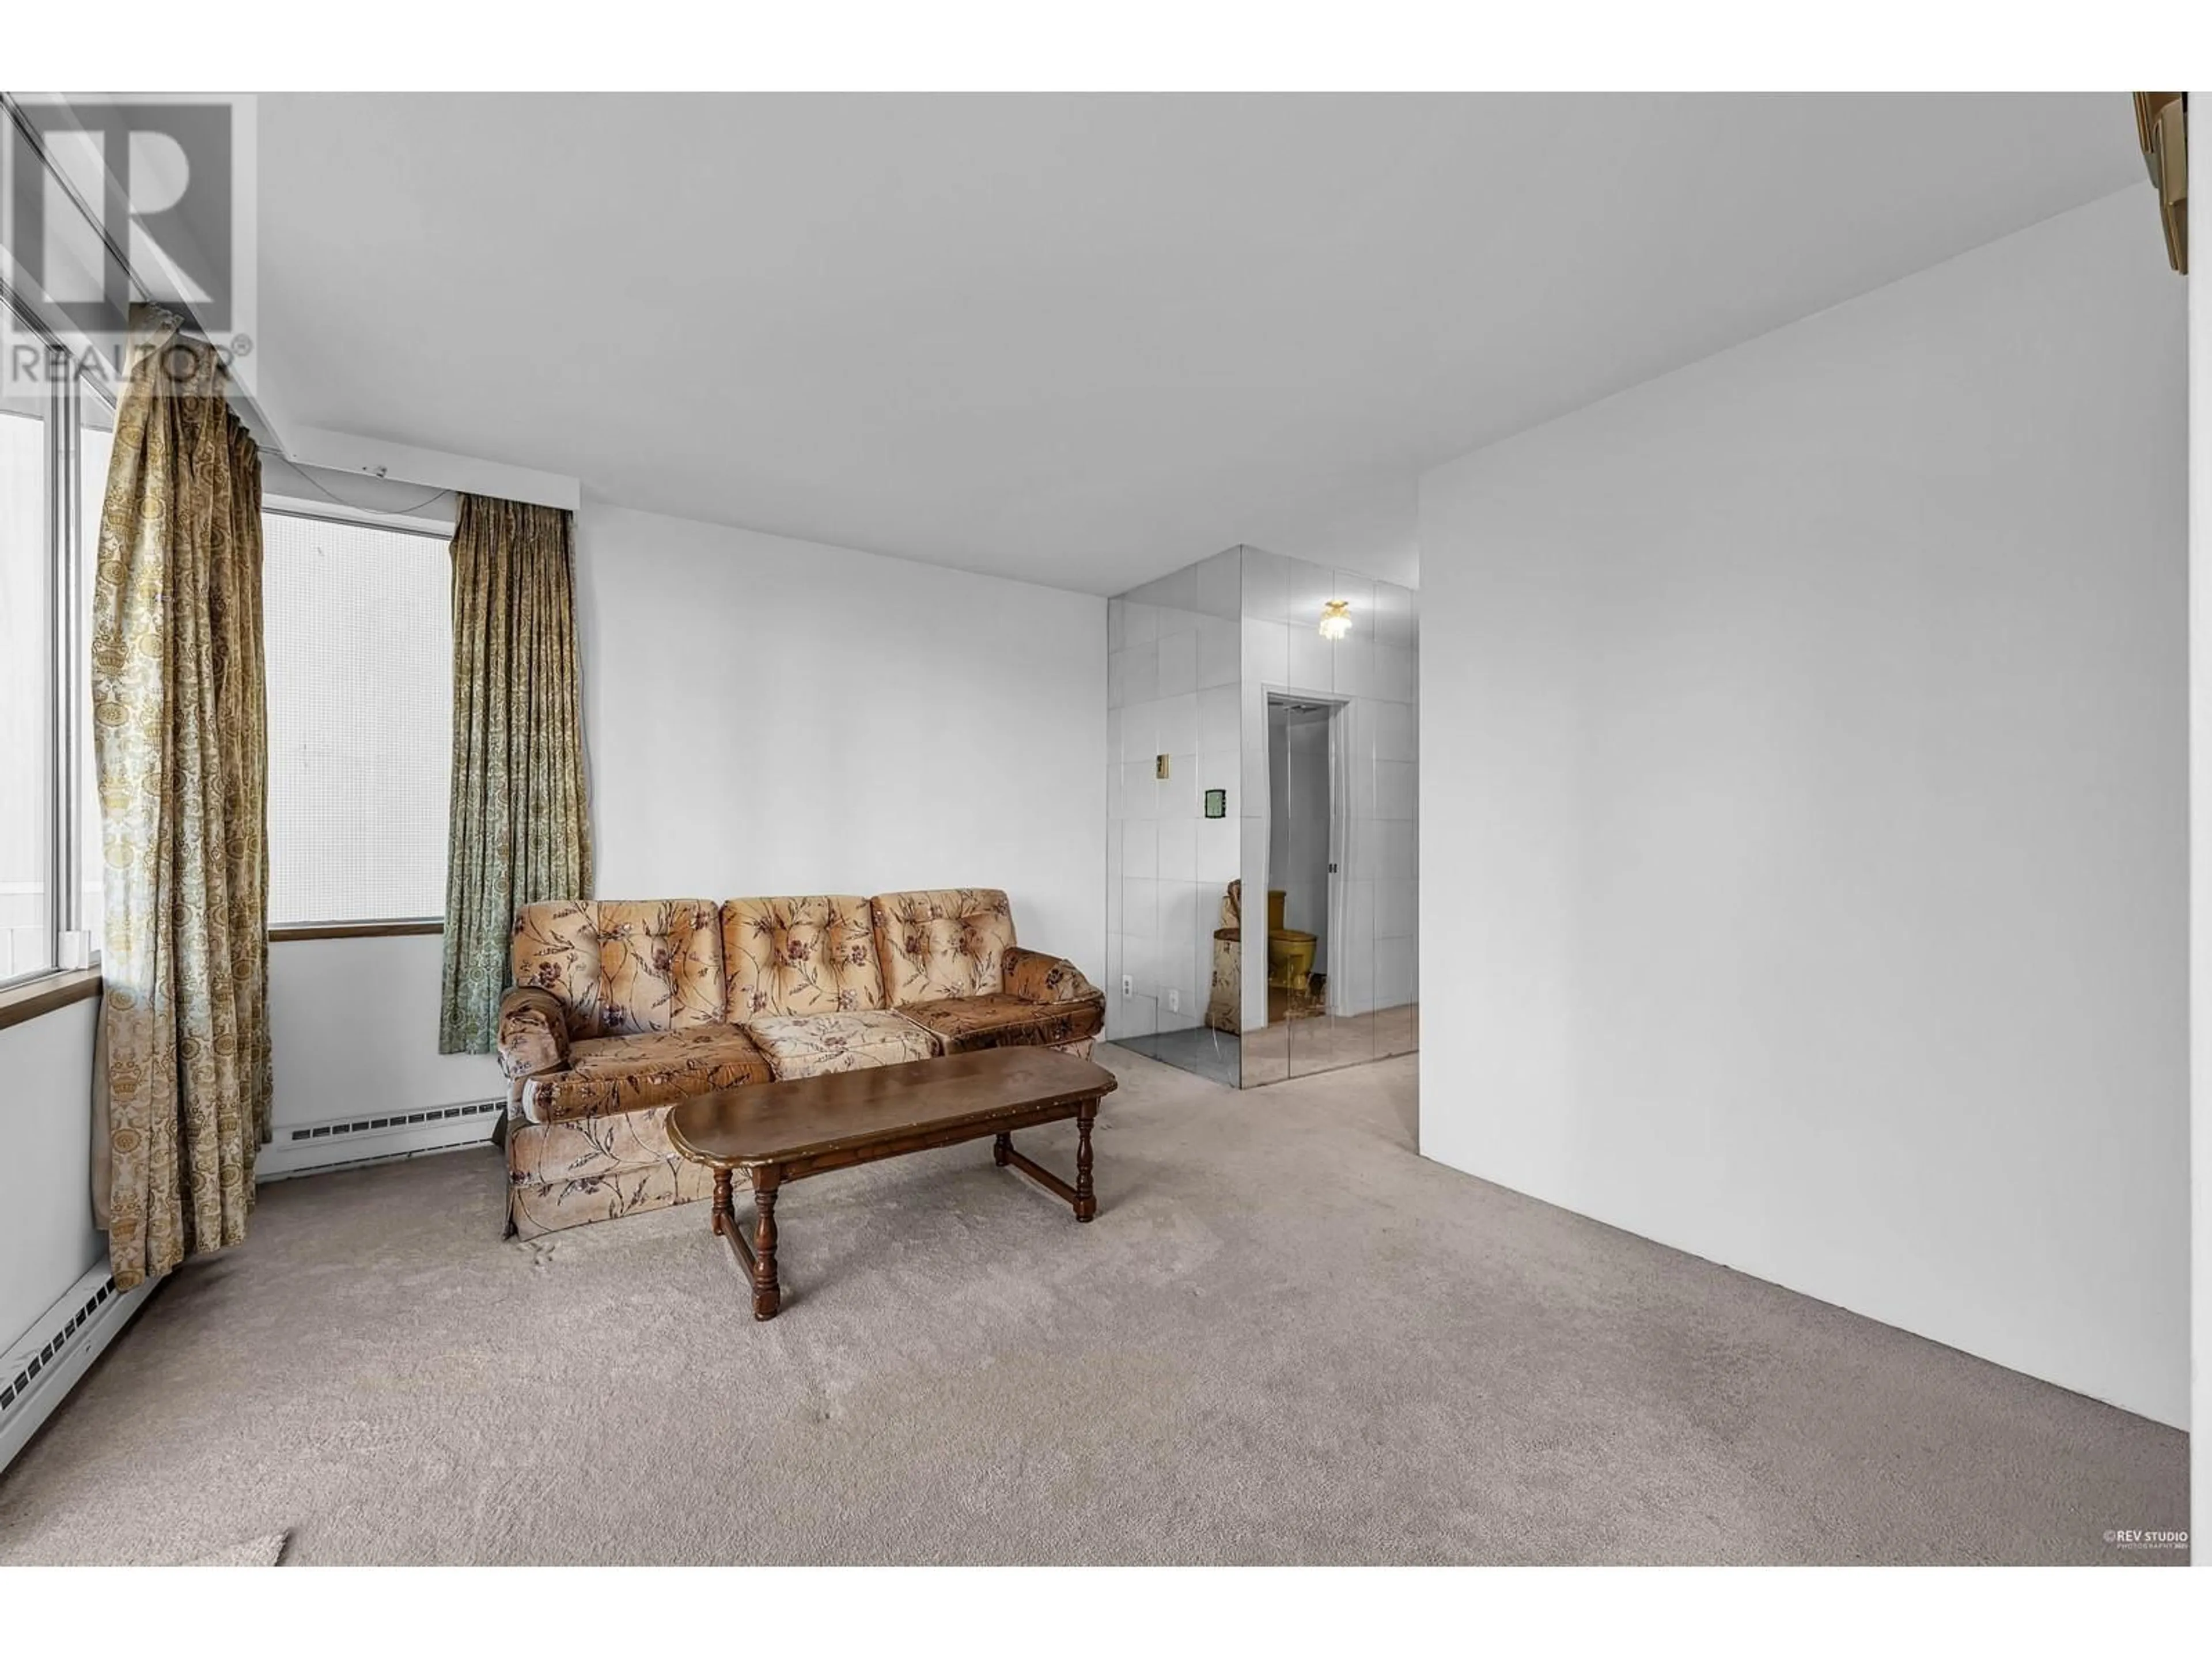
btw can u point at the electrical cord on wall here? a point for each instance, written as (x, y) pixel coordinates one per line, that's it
(308, 478)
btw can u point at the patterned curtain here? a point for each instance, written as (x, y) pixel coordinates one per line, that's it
(180, 744)
(519, 827)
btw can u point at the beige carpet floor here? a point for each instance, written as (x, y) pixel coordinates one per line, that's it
(267, 1550)
(1285, 1338)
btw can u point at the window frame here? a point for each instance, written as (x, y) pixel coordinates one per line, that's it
(78, 552)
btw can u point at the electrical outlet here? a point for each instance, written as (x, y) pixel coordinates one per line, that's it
(1128, 985)
(1175, 1002)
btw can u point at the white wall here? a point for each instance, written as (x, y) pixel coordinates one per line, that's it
(47, 1240)
(772, 716)
(1805, 779)
(353, 1031)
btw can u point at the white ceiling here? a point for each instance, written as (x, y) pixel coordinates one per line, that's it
(1085, 340)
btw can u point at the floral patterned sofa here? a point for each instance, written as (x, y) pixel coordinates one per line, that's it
(620, 1009)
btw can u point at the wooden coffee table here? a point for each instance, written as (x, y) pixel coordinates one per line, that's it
(779, 1132)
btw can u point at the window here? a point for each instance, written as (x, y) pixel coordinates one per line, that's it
(358, 633)
(50, 495)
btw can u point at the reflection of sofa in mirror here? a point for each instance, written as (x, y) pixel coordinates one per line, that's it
(1223, 1004)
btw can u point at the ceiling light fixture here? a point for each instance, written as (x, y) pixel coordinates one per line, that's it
(1336, 619)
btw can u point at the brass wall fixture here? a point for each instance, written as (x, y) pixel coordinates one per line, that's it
(2162, 130)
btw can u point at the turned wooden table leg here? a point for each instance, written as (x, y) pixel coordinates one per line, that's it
(720, 1215)
(1086, 1202)
(1002, 1149)
(768, 1294)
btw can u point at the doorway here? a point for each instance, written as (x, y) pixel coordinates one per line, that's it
(1301, 857)
(1304, 974)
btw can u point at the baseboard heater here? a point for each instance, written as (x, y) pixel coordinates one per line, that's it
(45, 1362)
(311, 1148)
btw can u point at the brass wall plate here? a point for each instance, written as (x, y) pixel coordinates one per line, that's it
(1160, 766)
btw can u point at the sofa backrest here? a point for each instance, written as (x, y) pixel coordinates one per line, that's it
(942, 942)
(811, 955)
(620, 966)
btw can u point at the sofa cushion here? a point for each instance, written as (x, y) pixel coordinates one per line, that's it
(815, 955)
(944, 942)
(628, 1074)
(622, 966)
(556, 948)
(960, 1023)
(810, 1045)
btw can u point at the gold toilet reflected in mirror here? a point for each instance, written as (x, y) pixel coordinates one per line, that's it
(1293, 990)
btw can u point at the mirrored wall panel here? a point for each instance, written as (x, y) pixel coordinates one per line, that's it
(1330, 717)
(1172, 844)
(1262, 869)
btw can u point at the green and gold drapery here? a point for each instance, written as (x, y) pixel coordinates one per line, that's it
(519, 828)
(180, 746)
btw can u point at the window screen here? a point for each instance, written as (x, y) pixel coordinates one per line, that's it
(358, 625)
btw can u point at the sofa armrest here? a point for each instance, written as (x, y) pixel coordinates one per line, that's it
(1035, 977)
(533, 1032)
